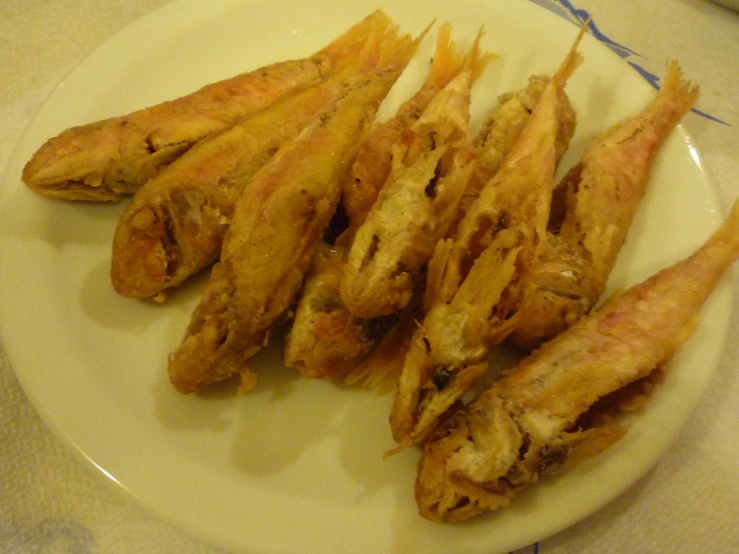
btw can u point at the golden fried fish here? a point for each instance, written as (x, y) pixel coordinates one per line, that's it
(534, 420)
(417, 204)
(175, 224)
(107, 159)
(601, 194)
(276, 226)
(325, 339)
(478, 284)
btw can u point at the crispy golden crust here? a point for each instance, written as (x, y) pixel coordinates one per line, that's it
(479, 286)
(176, 222)
(418, 202)
(275, 229)
(539, 418)
(104, 160)
(371, 167)
(325, 340)
(600, 196)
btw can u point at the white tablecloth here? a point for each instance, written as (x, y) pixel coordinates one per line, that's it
(689, 503)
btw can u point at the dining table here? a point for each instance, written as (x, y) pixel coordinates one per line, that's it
(54, 501)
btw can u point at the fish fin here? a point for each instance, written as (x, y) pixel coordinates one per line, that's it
(380, 370)
(398, 50)
(575, 448)
(435, 273)
(572, 60)
(675, 85)
(345, 48)
(448, 60)
(477, 59)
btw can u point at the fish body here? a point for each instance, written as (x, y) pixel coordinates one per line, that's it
(276, 226)
(478, 282)
(372, 165)
(501, 129)
(175, 224)
(533, 420)
(418, 202)
(105, 160)
(601, 194)
(325, 338)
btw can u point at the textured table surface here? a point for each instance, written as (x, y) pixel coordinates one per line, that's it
(689, 503)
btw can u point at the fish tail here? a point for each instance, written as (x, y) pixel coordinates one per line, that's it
(396, 51)
(679, 89)
(727, 236)
(346, 47)
(573, 59)
(477, 59)
(387, 49)
(448, 60)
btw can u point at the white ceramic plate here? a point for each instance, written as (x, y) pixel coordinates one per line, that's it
(297, 466)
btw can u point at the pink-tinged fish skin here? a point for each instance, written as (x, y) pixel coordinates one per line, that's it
(108, 159)
(273, 236)
(478, 282)
(175, 224)
(371, 167)
(530, 421)
(325, 339)
(417, 203)
(602, 193)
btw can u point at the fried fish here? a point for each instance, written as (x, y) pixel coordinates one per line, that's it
(325, 339)
(601, 194)
(537, 418)
(272, 239)
(105, 160)
(417, 204)
(175, 223)
(478, 283)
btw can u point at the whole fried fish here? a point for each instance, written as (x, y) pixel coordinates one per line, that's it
(498, 134)
(534, 419)
(501, 129)
(371, 167)
(478, 282)
(417, 204)
(107, 159)
(276, 226)
(175, 224)
(325, 339)
(601, 194)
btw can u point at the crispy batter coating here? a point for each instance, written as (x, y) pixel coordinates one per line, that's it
(104, 160)
(325, 338)
(175, 224)
(480, 285)
(277, 224)
(418, 202)
(534, 420)
(601, 194)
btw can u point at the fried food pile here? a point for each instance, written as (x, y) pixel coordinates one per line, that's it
(402, 251)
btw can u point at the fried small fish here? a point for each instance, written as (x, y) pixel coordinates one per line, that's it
(478, 284)
(534, 419)
(501, 129)
(371, 167)
(105, 160)
(325, 339)
(175, 223)
(601, 194)
(498, 134)
(276, 226)
(417, 204)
